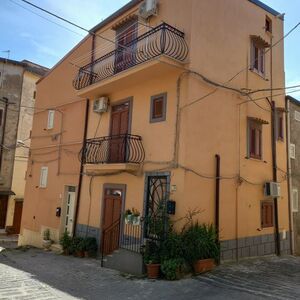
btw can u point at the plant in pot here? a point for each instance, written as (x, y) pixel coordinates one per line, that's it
(152, 259)
(171, 268)
(66, 241)
(200, 247)
(128, 216)
(46, 239)
(136, 217)
(91, 247)
(78, 246)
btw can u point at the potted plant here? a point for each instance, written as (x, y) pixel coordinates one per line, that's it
(152, 259)
(128, 216)
(66, 242)
(171, 268)
(91, 247)
(136, 217)
(46, 239)
(200, 247)
(78, 246)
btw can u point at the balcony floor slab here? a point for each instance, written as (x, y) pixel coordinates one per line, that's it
(97, 169)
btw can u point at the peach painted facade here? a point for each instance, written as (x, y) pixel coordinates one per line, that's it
(201, 121)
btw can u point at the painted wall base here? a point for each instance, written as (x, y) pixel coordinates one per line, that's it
(88, 231)
(253, 246)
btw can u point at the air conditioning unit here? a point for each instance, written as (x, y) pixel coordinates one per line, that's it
(272, 189)
(100, 105)
(148, 8)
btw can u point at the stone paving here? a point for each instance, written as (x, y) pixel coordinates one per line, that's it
(35, 274)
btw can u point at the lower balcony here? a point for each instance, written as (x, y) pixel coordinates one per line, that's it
(113, 153)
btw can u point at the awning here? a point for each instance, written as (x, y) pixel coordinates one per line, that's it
(7, 193)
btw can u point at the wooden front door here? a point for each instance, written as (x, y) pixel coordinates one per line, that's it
(126, 47)
(17, 216)
(118, 132)
(3, 211)
(111, 220)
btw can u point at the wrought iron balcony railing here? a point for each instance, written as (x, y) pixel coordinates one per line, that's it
(161, 40)
(124, 148)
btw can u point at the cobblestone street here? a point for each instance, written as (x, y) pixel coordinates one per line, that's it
(35, 274)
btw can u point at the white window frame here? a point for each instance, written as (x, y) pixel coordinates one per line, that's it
(43, 177)
(293, 151)
(50, 121)
(295, 200)
(297, 115)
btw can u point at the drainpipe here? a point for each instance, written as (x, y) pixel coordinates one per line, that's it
(5, 100)
(81, 165)
(87, 109)
(289, 174)
(217, 195)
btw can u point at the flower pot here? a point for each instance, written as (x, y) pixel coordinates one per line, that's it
(66, 252)
(136, 220)
(204, 265)
(153, 271)
(80, 254)
(47, 244)
(128, 219)
(86, 254)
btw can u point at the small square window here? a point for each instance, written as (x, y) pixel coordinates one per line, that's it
(158, 108)
(267, 214)
(254, 139)
(268, 26)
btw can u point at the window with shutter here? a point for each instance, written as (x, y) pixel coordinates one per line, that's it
(279, 125)
(50, 123)
(254, 139)
(258, 57)
(295, 200)
(43, 177)
(267, 214)
(1, 117)
(158, 108)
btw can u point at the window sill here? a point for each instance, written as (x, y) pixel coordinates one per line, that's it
(256, 159)
(262, 76)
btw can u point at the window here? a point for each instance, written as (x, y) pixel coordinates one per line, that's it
(43, 177)
(267, 215)
(297, 115)
(279, 125)
(293, 151)
(295, 204)
(268, 26)
(1, 116)
(34, 94)
(258, 57)
(50, 122)
(158, 108)
(254, 139)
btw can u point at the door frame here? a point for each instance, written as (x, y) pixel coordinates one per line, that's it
(106, 186)
(119, 102)
(64, 208)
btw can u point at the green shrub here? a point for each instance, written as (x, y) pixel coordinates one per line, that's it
(46, 234)
(77, 244)
(172, 247)
(65, 241)
(152, 252)
(171, 268)
(90, 245)
(200, 242)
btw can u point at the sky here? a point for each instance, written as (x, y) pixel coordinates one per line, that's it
(31, 37)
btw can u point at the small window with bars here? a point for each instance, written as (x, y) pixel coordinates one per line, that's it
(267, 214)
(295, 200)
(158, 108)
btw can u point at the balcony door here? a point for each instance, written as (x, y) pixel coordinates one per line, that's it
(125, 52)
(118, 132)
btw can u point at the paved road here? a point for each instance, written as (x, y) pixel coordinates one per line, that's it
(35, 274)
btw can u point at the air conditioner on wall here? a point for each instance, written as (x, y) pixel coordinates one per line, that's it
(100, 105)
(148, 8)
(272, 189)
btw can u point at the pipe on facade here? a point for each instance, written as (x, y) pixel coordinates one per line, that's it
(5, 100)
(87, 108)
(217, 195)
(289, 173)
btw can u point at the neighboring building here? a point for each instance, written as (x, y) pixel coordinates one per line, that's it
(158, 123)
(293, 132)
(17, 92)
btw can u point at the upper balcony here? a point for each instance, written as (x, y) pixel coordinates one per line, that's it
(163, 40)
(115, 152)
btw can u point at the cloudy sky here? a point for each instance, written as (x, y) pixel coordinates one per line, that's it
(31, 37)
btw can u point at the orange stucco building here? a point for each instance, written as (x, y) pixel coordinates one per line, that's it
(172, 103)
